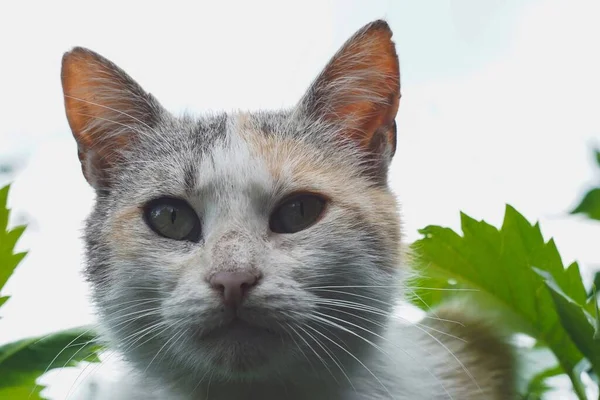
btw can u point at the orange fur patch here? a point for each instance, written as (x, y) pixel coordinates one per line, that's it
(123, 232)
(296, 163)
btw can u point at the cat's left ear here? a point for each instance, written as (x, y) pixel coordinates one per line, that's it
(106, 110)
(358, 94)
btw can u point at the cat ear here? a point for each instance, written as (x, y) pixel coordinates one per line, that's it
(358, 93)
(106, 109)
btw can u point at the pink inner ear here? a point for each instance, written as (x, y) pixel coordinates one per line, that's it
(105, 108)
(360, 87)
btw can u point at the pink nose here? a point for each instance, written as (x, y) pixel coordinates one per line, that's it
(233, 286)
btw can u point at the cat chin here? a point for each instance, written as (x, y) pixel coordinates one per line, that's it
(238, 331)
(242, 350)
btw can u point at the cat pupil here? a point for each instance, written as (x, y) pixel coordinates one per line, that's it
(163, 216)
(297, 214)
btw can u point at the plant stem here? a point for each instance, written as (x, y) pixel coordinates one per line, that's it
(577, 387)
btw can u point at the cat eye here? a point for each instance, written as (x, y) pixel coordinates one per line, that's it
(172, 218)
(297, 213)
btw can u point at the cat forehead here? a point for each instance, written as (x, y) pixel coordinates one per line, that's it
(238, 150)
(235, 160)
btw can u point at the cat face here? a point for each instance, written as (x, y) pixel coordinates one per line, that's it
(241, 245)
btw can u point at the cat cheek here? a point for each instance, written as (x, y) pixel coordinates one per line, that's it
(124, 233)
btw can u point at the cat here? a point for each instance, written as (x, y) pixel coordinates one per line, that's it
(258, 255)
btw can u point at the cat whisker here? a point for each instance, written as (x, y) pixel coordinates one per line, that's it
(444, 320)
(155, 330)
(320, 344)
(353, 356)
(77, 382)
(399, 286)
(135, 316)
(200, 382)
(311, 347)
(173, 338)
(327, 319)
(132, 304)
(153, 289)
(340, 362)
(56, 358)
(362, 296)
(442, 289)
(382, 313)
(292, 336)
(208, 386)
(460, 363)
(422, 301)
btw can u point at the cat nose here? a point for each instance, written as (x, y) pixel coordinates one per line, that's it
(233, 286)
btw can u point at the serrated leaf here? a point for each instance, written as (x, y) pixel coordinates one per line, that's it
(8, 240)
(22, 362)
(578, 323)
(497, 263)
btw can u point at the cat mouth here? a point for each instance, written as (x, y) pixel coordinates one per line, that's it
(238, 330)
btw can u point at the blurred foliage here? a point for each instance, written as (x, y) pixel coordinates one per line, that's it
(8, 239)
(590, 204)
(6, 169)
(22, 362)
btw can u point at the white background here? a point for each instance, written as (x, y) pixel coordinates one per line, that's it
(500, 105)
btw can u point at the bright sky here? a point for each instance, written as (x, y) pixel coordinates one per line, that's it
(500, 105)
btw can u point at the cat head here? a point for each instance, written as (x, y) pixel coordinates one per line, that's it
(242, 243)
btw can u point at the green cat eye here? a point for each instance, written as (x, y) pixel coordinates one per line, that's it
(297, 213)
(172, 218)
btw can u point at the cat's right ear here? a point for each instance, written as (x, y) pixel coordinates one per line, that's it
(106, 110)
(358, 94)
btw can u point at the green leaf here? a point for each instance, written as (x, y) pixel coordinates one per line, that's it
(8, 240)
(597, 313)
(536, 364)
(4, 213)
(578, 323)
(496, 263)
(595, 285)
(537, 385)
(589, 205)
(22, 362)
(20, 393)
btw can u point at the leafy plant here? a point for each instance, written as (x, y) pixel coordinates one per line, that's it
(590, 204)
(8, 239)
(22, 362)
(514, 272)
